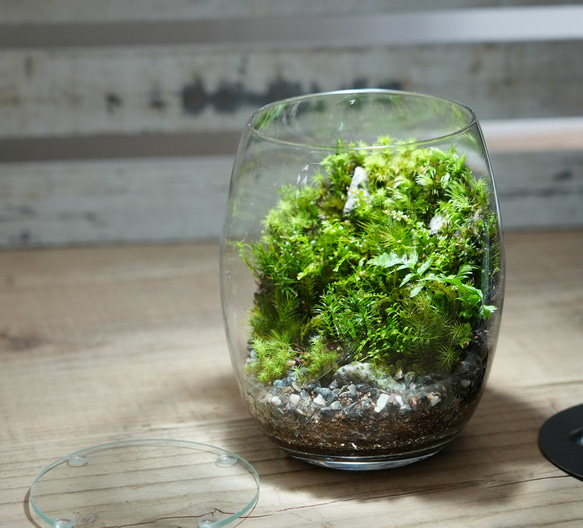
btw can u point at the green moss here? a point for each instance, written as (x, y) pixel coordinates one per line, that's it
(401, 278)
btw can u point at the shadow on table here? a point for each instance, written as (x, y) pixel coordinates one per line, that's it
(494, 455)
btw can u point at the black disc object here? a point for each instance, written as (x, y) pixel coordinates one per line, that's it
(561, 440)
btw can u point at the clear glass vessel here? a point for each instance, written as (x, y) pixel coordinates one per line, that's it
(362, 274)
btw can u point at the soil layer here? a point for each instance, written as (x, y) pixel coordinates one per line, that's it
(360, 413)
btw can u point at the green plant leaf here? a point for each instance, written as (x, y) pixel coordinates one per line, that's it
(487, 310)
(407, 278)
(425, 266)
(415, 291)
(386, 260)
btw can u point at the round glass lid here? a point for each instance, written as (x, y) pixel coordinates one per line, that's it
(146, 483)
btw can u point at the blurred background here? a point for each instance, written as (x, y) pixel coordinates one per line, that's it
(119, 119)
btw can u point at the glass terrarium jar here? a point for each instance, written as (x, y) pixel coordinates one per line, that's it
(362, 274)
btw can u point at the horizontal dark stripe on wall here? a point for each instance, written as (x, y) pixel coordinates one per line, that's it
(509, 24)
(502, 136)
(118, 146)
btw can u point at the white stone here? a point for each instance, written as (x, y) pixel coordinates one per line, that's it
(358, 188)
(294, 399)
(436, 223)
(381, 402)
(319, 400)
(434, 399)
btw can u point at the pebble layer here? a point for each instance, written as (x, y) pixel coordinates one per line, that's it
(358, 411)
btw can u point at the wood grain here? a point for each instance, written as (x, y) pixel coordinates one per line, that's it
(104, 344)
(183, 199)
(106, 141)
(210, 88)
(71, 11)
(161, 200)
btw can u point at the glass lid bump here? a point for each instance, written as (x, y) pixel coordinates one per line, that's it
(150, 483)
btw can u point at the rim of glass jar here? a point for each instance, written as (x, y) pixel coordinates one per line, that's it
(472, 121)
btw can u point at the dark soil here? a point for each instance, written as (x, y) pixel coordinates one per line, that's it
(359, 413)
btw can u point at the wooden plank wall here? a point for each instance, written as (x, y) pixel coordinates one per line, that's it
(119, 119)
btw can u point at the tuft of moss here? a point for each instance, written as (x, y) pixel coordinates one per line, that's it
(401, 278)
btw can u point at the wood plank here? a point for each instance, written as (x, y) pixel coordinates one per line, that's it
(544, 23)
(87, 92)
(506, 135)
(539, 189)
(109, 344)
(56, 11)
(120, 146)
(113, 202)
(183, 199)
(533, 135)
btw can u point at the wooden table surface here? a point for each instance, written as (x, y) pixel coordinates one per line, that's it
(105, 344)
